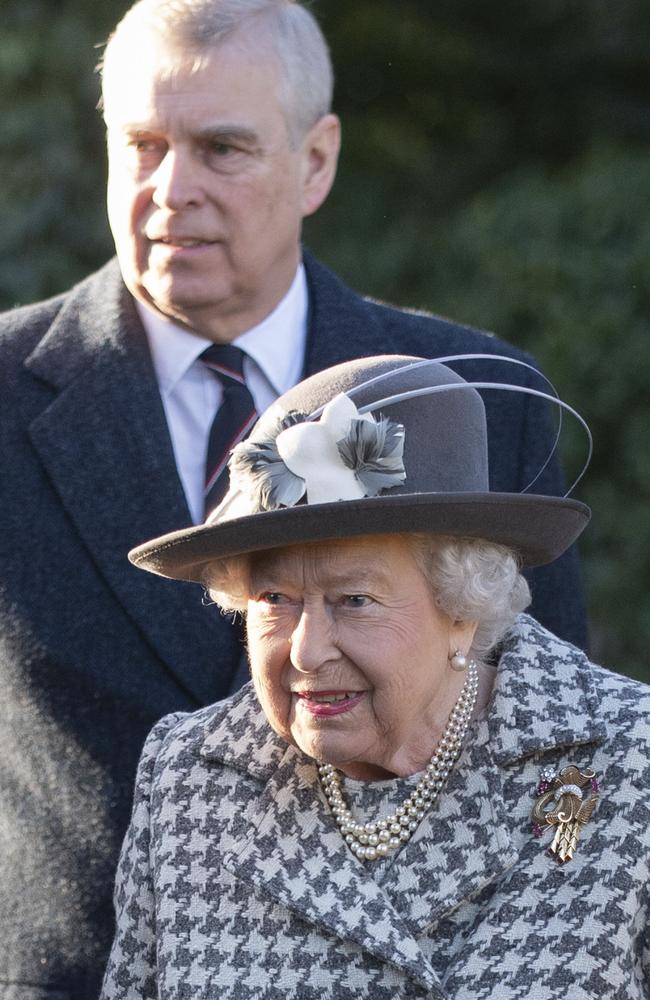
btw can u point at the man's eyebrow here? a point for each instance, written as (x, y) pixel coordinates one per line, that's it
(211, 133)
(226, 132)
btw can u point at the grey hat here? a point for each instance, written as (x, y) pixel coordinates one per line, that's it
(378, 445)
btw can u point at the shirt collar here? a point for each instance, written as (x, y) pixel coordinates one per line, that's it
(274, 344)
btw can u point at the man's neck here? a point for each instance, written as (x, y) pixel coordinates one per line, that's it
(222, 326)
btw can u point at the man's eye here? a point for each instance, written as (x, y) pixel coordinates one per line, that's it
(143, 145)
(216, 153)
(220, 148)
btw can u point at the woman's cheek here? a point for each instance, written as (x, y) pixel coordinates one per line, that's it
(272, 693)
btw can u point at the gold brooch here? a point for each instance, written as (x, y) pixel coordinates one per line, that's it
(571, 808)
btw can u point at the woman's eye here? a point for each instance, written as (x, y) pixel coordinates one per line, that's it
(273, 597)
(357, 600)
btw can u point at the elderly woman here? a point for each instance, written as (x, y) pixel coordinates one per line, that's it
(422, 793)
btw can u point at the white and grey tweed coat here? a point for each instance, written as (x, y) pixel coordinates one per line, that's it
(234, 881)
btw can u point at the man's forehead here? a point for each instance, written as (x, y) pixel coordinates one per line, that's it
(151, 63)
(207, 93)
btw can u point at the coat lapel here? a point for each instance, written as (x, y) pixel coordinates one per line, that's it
(104, 442)
(461, 847)
(543, 703)
(292, 850)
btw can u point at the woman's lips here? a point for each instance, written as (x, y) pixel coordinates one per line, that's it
(327, 703)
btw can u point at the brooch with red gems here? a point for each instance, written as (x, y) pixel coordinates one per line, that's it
(565, 801)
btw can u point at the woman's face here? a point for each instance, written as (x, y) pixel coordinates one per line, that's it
(349, 653)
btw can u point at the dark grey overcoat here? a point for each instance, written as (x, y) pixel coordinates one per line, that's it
(235, 883)
(92, 651)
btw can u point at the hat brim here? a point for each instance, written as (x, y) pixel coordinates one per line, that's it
(539, 528)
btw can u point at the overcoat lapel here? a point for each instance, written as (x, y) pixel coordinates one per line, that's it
(542, 704)
(461, 846)
(291, 849)
(293, 852)
(104, 443)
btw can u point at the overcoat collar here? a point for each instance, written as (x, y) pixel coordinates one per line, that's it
(543, 699)
(102, 438)
(341, 326)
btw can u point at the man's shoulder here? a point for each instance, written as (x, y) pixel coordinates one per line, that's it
(23, 326)
(38, 316)
(403, 330)
(426, 327)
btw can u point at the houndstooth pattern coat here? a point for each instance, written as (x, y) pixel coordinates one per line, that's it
(234, 881)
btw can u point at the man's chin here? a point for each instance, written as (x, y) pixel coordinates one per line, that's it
(186, 302)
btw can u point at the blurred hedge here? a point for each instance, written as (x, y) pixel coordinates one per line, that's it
(495, 169)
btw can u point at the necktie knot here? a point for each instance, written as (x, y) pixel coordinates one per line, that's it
(226, 362)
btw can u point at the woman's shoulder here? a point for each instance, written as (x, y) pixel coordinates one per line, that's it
(623, 701)
(230, 733)
(182, 729)
(563, 674)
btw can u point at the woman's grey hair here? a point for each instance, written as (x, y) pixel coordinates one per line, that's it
(470, 580)
(192, 28)
(474, 580)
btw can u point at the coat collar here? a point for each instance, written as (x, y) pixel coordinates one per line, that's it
(103, 440)
(341, 325)
(544, 697)
(104, 414)
(293, 850)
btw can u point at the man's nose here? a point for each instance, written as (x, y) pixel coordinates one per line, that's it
(175, 182)
(313, 641)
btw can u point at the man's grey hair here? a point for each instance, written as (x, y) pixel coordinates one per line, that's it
(470, 580)
(190, 29)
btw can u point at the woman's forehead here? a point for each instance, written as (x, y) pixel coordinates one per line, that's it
(368, 557)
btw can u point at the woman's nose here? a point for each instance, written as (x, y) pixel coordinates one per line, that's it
(313, 640)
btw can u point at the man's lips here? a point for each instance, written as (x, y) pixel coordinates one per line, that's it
(181, 242)
(324, 703)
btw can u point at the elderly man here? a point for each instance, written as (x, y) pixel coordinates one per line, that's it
(116, 424)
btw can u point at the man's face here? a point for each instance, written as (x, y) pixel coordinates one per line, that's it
(206, 194)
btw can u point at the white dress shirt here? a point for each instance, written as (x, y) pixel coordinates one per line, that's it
(191, 395)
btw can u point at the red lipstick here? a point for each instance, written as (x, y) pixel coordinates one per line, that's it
(327, 703)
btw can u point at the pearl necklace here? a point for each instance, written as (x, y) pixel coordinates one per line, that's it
(370, 841)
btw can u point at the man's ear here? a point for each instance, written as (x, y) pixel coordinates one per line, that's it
(320, 153)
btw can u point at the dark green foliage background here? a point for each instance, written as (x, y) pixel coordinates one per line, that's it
(496, 169)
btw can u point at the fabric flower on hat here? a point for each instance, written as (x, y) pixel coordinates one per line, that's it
(344, 455)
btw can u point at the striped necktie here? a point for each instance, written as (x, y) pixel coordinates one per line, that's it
(232, 422)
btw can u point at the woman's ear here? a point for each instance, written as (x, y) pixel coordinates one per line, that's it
(461, 636)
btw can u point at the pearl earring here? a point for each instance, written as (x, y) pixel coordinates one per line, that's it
(458, 661)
